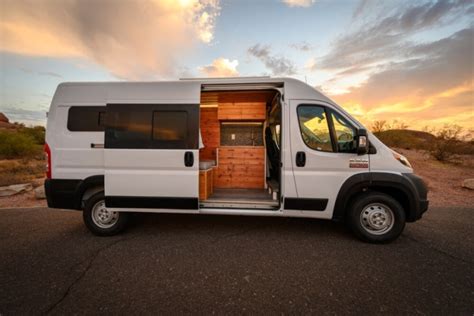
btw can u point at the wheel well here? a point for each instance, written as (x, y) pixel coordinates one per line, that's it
(90, 192)
(400, 196)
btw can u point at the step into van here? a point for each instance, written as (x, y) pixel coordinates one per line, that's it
(233, 146)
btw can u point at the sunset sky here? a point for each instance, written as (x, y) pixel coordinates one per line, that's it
(412, 61)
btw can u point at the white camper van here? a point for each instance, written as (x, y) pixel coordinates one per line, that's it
(232, 146)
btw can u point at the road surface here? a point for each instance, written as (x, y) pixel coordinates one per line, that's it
(50, 263)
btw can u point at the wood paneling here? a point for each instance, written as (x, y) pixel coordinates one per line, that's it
(245, 96)
(211, 98)
(241, 167)
(238, 167)
(205, 183)
(253, 111)
(210, 132)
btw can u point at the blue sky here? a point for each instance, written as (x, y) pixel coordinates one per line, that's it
(383, 60)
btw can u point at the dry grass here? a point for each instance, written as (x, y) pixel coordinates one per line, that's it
(15, 171)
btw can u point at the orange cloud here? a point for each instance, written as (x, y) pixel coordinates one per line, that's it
(434, 89)
(221, 67)
(133, 39)
(453, 106)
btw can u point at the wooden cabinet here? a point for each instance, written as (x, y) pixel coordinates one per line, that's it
(252, 111)
(205, 183)
(241, 167)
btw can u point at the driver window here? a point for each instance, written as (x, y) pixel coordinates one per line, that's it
(345, 134)
(314, 127)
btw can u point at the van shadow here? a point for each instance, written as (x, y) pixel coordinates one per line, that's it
(215, 225)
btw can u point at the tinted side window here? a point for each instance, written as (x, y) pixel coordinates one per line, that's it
(86, 119)
(129, 129)
(345, 134)
(314, 127)
(143, 126)
(170, 126)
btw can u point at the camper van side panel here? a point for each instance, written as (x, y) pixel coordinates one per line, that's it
(72, 156)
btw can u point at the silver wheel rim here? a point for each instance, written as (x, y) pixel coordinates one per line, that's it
(103, 217)
(377, 218)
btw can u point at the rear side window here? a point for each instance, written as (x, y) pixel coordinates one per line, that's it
(314, 127)
(86, 119)
(143, 126)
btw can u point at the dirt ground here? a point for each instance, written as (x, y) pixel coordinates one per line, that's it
(444, 182)
(16, 171)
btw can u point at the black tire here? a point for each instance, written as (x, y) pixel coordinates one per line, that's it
(375, 204)
(87, 215)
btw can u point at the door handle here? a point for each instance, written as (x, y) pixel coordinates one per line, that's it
(300, 159)
(188, 159)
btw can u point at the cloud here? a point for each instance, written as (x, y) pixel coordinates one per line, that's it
(278, 65)
(361, 7)
(383, 37)
(28, 117)
(433, 85)
(310, 64)
(133, 39)
(221, 67)
(41, 73)
(299, 3)
(302, 46)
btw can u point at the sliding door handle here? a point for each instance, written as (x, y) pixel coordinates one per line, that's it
(188, 159)
(300, 159)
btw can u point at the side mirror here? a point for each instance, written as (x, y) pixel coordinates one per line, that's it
(362, 142)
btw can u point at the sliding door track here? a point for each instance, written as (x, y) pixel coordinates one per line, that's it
(239, 204)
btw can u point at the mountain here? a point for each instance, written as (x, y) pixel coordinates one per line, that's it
(5, 122)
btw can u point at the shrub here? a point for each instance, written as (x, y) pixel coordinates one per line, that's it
(382, 126)
(450, 141)
(36, 132)
(17, 145)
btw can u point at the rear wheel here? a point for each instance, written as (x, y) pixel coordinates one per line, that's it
(376, 217)
(101, 221)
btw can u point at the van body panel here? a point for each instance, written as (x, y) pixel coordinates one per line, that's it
(149, 173)
(72, 155)
(384, 160)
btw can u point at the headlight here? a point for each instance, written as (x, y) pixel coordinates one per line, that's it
(402, 159)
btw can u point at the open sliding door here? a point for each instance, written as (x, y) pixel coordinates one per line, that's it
(152, 155)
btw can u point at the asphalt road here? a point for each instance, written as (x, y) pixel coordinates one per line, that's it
(195, 264)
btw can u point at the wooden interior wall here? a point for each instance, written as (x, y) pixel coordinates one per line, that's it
(238, 166)
(241, 167)
(210, 132)
(244, 111)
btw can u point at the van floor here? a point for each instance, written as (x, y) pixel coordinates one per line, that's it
(240, 198)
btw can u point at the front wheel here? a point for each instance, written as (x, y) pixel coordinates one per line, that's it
(101, 221)
(376, 217)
